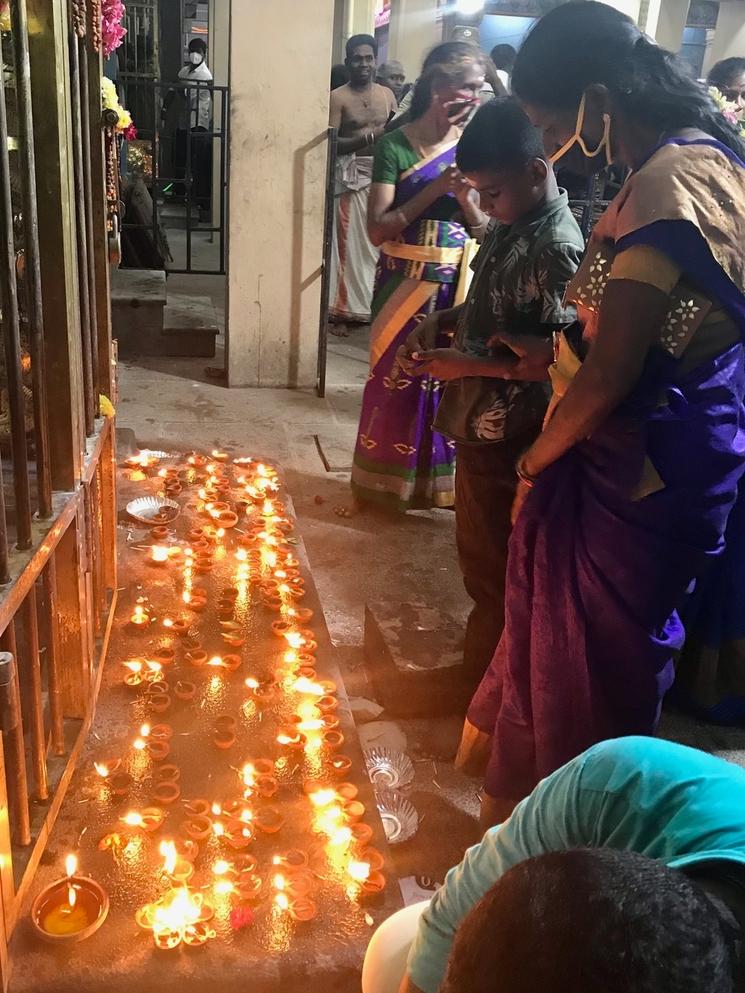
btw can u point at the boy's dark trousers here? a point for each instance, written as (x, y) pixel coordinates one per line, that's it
(485, 485)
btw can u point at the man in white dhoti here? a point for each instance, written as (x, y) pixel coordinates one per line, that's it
(359, 112)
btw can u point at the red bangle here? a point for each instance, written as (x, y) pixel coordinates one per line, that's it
(524, 476)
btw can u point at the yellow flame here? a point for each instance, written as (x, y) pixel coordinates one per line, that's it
(220, 867)
(251, 683)
(145, 730)
(134, 665)
(218, 829)
(102, 769)
(294, 639)
(341, 838)
(139, 744)
(279, 882)
(159, 553)
(215, 661)
(282, 901)
(359, 871)
(133, 819)
(216, 809)
(170, 856)
(223, 886)
(71, 865)
(322, 798)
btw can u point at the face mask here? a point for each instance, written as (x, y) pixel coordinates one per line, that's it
(577, 139)
(195, 58)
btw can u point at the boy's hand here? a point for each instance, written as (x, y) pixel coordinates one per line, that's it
(442, 363)
(424, 335)
(533, 354)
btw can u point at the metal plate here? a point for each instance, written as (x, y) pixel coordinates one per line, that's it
(399, 817)
(145, 509)
(388, 769)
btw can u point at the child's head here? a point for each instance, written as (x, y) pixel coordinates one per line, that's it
(502, 156)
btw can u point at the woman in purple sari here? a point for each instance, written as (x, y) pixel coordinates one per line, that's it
(423, 216)
(626, 493)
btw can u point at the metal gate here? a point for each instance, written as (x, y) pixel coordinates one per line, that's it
(180, 156)
(57, 458)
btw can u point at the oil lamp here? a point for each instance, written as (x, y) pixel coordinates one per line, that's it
(70, 909)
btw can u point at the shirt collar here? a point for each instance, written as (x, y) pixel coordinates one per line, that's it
(537, 216)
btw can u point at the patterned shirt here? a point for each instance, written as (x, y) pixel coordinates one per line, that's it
(520, 277)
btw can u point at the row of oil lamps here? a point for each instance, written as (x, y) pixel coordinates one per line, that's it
(75, 906)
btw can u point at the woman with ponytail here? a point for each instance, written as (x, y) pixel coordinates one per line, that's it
(626, 493)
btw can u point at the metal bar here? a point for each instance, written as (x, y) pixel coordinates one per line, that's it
(188, 188)
(328, 228)
(49, 580)
(155, 155)
(30, 674)
(84, 296)
(223, 175)
(12, 727)
(85, 123)
(19, 21)
(12, 336)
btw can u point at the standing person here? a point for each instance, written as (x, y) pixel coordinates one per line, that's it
(503, 57)
(729, 78)
(421, 213)
(197, 118)
(521, 276)
(358, 111)
(626, 493)
(393, 75)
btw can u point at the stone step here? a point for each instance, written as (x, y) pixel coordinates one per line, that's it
(190, 326)
(138, 297)
(414, 656)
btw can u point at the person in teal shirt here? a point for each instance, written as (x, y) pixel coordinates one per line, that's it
(679, 808)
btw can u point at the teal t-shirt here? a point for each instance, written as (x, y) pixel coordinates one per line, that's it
(657, 798)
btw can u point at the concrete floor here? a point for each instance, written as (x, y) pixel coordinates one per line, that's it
(170, 402)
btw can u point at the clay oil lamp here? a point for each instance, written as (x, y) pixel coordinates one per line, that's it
(232, 639)
(238, 834)
(134, 678)
(225, 611)
(327, 704)
(291, 739)
(272, 601)
(198, 807)
(159, 533)
(354, 811)
(373, 857)
(281, 628)
(164, 655)
(341, 765)
(191, 644)
(167, 774)
(120, 784)
(332, 740)
(248, 886)
(106, 769)
(226, 722)
(293, 859)
(197, 604)
(148, 820)
(160, 703)
(266, 692)
(330, 722)
(71, 909)
(264, 767)
(158, 555)
(269, 820)
(232, 662)
(300, 615)
(266, 787)
(187, 849)
(303, 909)
(371, 890)
(197, 657)
(166, 792)
(196, 534)
(184, 690)
(158, 749)
(181, 916)
(156, 687)
(198, 828)
(140, 618)
(178, 625)
(203, 565)
(361, 834)
(219, 456)
(224, 739)
(178, 868)
(347, 791)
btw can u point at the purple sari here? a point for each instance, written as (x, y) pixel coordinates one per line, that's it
(399, 461)
(595, 575)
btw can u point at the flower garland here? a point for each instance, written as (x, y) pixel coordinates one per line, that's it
(728, 109)
(110, 101)
(112, 15)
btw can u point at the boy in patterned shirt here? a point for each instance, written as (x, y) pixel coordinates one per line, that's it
(496, 396)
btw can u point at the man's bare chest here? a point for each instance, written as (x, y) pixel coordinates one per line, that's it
(364, 112)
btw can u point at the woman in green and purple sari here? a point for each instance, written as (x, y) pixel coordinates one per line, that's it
(425, 218)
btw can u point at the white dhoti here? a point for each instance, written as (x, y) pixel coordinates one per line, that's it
(385, 961)
(353, 256)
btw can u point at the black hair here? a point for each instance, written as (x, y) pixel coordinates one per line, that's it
(503, 56)
(592, 921)
(361, 39)
(499, 136)
(651, 85)
(198, 45)
(339, 76)
(724, 72)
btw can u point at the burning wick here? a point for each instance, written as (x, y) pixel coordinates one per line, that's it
(170, 857)
(220, 867)
(139, 743)
(71, 865)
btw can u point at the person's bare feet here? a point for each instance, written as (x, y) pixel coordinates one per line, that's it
(339, 330)
(351, 509)
(474, 750)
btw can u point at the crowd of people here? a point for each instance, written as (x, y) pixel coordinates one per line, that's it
(592, 397)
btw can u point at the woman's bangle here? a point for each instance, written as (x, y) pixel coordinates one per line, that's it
(523, 475)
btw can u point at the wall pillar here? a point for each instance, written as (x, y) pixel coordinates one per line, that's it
(671, 21)
(360, 17)
(729, 36)
(413, 32)
(278, 145)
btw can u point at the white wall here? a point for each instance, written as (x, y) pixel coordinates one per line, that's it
(671, 21)
(279, 73)
(729, 37)
(413, 32)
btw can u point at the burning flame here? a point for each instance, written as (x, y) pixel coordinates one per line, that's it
(177, 912)
(159, 553)
(71, 865)
(359, 871)
(134, 665)
(322, 798)
(294, 639)
(102, 769)
(252, 684)
(215, 661)
(170, 857)
(341, 838)
(216, 809)
(220, 867)
(133, 819)
(282, 901)
(223, 886)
